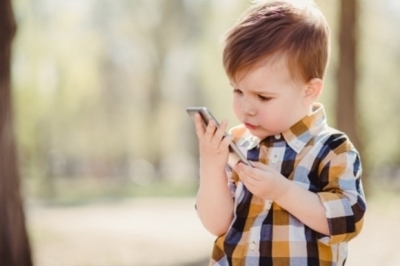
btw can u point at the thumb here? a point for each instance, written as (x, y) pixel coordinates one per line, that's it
(260, 165)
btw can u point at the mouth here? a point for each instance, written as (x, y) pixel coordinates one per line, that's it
(250, 126)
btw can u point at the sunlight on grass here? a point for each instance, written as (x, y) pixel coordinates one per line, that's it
(69, 191)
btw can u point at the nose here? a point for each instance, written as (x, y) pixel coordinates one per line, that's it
(248, 108)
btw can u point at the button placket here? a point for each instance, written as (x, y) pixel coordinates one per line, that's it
(297, 144)
(267, 205)
(252, 246)
(274, 158)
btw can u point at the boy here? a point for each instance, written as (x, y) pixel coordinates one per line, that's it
(302, 200)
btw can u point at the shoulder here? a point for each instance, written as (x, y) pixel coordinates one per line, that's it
(333, 145)
(336, 141)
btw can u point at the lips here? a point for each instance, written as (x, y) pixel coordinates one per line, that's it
(250, 126)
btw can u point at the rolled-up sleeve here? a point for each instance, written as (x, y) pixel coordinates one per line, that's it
(231, 180)
(342, 196)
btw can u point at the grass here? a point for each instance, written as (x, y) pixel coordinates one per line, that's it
(74, 191)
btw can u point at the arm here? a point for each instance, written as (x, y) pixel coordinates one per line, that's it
(214, 200)
(215, 203)
(305, 206)
(342, 196)
(337, 211)
(265, 182)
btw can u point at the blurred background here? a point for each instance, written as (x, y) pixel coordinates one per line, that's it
(107, 154)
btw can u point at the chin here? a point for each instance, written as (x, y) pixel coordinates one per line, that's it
(262, 134)
(258, 134)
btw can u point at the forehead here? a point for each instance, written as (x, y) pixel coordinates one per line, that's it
(276, 64)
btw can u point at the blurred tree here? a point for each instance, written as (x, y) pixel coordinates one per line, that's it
(148, 75)
(99, 85)
(14, 245)
(346, 105)
(347, 76)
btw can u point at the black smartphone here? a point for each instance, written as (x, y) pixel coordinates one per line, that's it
(235, 155)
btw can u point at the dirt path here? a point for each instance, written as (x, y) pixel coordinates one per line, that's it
(167, 232)
(378, 243)
(138, 232)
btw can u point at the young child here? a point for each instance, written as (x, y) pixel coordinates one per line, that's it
(302, 200)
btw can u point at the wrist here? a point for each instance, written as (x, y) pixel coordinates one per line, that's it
(211, 168)
(282, 189)
(212, 174)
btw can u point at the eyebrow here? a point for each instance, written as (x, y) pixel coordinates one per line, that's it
(263, 92)
(260, 92)
(255, 91)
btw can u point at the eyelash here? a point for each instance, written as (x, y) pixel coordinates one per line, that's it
(262, 98)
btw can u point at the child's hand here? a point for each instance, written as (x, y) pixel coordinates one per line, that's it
(262, 180)
(214, 146)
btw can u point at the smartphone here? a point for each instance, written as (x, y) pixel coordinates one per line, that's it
(235, 155)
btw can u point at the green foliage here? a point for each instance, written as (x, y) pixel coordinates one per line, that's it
(86, 190)
(101, 84)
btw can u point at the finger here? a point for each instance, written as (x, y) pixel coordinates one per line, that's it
(200, 130)
(227, 139)
(210, 130)
(250, 172)
(248, 181)
(266, 169)
(260, 165)
(244, 171)
(224, 125)
(220, 132)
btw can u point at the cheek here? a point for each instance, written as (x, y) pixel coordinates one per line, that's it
(270, 115)
(236, 105)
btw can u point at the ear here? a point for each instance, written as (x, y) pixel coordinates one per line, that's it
(313, 90)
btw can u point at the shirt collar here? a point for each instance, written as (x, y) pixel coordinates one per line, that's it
(249, 141)
(303, 131)
(299, 134)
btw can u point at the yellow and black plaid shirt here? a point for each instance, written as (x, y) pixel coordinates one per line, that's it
(317, 158)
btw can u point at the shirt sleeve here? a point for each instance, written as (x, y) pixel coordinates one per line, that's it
(238, 133)
(231, 180)
(342, 196)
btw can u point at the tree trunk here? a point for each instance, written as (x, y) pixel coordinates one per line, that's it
(14, 244)
(347, 76)
(346, 107)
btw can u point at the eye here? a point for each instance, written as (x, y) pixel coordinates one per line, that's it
(237, 91)
(263, 98)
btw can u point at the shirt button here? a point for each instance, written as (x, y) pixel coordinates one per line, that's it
(267, 205)
(278, 136)
(297, 144)
(274, 158)
(252, 246)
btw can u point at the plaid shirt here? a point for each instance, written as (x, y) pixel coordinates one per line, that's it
(317, 158)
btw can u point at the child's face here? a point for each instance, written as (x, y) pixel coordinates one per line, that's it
(267, 100)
